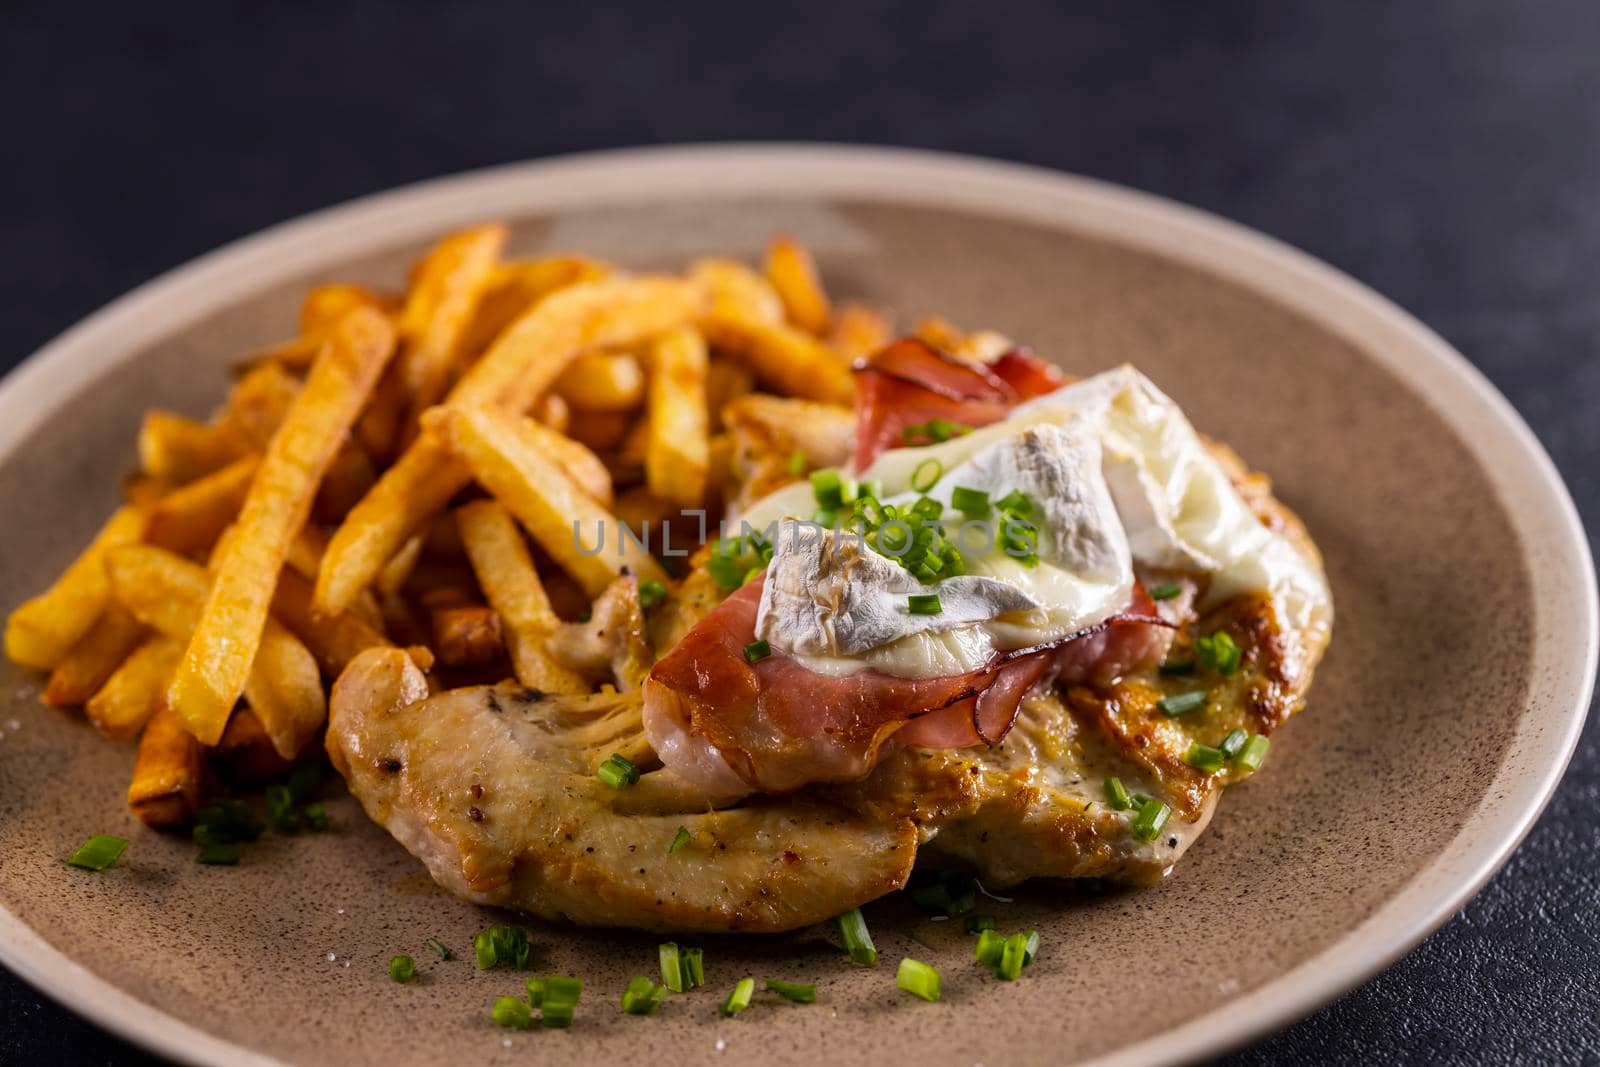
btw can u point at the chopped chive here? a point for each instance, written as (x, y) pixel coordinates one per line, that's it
(513, 1013)
(756, 651)
(1204, 757)
(974, 503)
(1117, 795)
(976, 924)
(923, 604)
(679, 839)
(402, 969)
(651, 593)
(988, 950)
(556, 999)
(1234, 742)
(439, 948)
(828, 488)
(1253, 752)
(305, 782)
(918, 979)
(556, 1016)
(280, 809)
(501, 946)
(226, 821)
(1151, 819)
(739, 999)
(219, 855)
(1165, 592)
(618, 771)
(642, 997)
(1030, 947)
(316, 816)
(1177, 666)
(1218, 652)
(694, 968)
(99, 852)
(1013, 954)
(797, 462)
(1182, 703)
(671, 966)
(927, 475)
(799, 992)
(857, 941)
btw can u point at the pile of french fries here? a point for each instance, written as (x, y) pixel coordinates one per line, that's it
(407, 471)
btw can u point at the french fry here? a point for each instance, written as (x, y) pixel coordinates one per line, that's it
(94, 658)
(793, 274)
(731, 286)
(523, 363)
(349, 477)
(130, 696)
(226, 640)
(542, 496)
(381, 426)
(144, 491)
(247, 751)
(585, 468)
(440, 307)
(507, 577)
(178, 449)
(334, 640)
(859, 331)
(515, 287)
(325, 305)
(190, 518)
(599, 431)
(726, 381)
(258, 402)
(306, 551)
(398, 571)
(165, 790)
(675, 455)
(167, 592)
(466, 635)
(41, 631)
(783, 358)
(553, 412)
(602, 381)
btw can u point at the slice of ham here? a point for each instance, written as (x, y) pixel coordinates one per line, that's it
(910, 383)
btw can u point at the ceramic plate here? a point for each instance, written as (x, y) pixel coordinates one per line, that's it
(1461, 664)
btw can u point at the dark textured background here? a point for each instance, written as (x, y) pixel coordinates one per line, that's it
(1446, 154)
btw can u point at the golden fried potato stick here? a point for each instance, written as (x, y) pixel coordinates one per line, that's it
(165, 791)
(131, 695)
(559, 515)
(793, 274)
(439, 310)
(246, 751)
(333, 639)
(167, 592)
(190, 518)
(859, 331)
(178, 449)
(731, 286)
(785, 359)
(553, 412)
(602, 381)
(466, 635)
(41, 631)
(226, 639)
(93, 659)
(507, 577)
(323, 306)
(382, 425)
(523, 364)
(600, 431)
(349, 477)
(726, 381)
(258, 402)
(516, 286)
(676, 450)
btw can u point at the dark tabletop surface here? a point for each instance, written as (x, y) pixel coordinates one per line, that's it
(1446, 154)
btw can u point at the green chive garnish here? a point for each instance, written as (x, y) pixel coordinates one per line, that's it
(513, 1013)
(918, 979)
(923, 604)
(280, 809)
(988, 950)
(857, 941)
(1253, 752)
(1182, 703)
(756, 651)
(502, 946)
(402, 969)
(1218, 652)
(828, 488)
(976, 924)
(618, 771)
(799, 992)
(1117, 795)
(316, 816)
(679, 839)
(219, 855)
(642, 997)
(797, 462)
(1012, 955)
(1177, 666)
(694, 968)
(671, 966)
(927, 475)
(1234, 742)
(1151, 819)
(973, 503)
(739, 999)
(99, 852)
(651, 593)
(1166, 592)
(1204, 757)
(439, 948)
(556, 999)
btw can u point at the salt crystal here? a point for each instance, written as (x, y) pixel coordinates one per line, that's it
(13, 725)
(721, 1044)
(505, 1042)
(332, 957)
(339, 911)
(347, 963)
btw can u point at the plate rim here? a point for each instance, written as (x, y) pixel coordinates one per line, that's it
(1525, 478)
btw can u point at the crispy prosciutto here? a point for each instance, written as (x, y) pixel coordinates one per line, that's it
(910, 382)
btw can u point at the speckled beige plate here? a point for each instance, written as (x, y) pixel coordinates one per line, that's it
(1444, 713)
